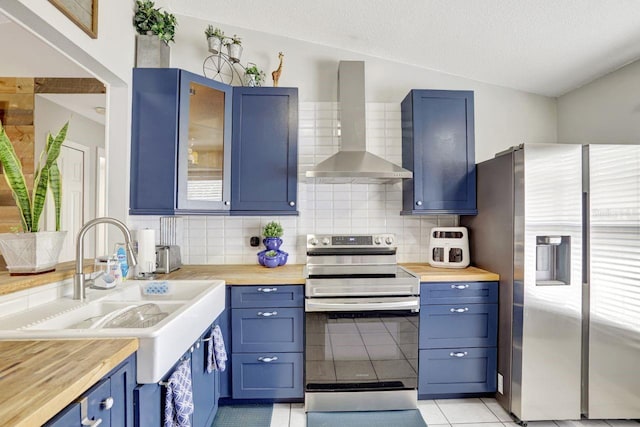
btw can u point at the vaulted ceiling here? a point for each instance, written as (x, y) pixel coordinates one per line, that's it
(548, 47)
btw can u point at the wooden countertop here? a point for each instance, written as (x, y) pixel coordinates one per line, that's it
(433, 274)
(40, 378)
(65, 270)
(293, 274)
(241, 274)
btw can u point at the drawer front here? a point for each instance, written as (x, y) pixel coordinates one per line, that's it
(96, 396)
(267, 375)
(457, 370)
(458, 325)
(458, 292)
(267, 296)
(267, 329)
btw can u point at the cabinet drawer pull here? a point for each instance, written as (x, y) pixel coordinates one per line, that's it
(84, 414)
(458, 354)
(267, 359)
(460, 287)
(267, 290)
(107, 403)
(91, 423)
(459, 310)
(267, 313)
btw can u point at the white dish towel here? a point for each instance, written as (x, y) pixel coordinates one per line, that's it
(179, 398)
(216, 352)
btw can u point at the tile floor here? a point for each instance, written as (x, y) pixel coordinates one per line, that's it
(449, 412)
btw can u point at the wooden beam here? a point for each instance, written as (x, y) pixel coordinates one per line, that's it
(68, 85)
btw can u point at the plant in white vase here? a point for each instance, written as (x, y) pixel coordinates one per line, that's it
(33, 251)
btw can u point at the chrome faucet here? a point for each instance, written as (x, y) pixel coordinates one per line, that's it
(78, 278)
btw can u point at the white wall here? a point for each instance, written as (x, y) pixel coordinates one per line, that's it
(503, 117)
(606, 110)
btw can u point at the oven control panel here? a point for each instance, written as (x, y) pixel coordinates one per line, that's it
(386, 240)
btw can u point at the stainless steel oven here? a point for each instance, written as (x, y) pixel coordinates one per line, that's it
(361, 314)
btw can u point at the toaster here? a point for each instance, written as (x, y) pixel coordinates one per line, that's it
(167, 258)
(449, 247)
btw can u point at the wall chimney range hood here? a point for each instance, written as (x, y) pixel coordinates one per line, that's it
(352, 163)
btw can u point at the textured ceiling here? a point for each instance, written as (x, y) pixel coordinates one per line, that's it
(547, 47)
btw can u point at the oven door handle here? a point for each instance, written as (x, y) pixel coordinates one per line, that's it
(413, 305)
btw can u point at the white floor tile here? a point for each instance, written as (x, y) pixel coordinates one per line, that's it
(478, 425)
(497, 410)
(579, 423)
(430, 412)
(466, 411)
(623, 423)
(541, 424)
(298, 416)
(439, 425)
(280, 415)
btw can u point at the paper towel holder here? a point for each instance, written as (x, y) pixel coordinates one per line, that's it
(146, 252)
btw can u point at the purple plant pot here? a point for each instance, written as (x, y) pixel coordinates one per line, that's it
(271, 262)
(282, 257)
(272, 243)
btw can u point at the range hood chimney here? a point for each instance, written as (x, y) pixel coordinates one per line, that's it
(352, 163)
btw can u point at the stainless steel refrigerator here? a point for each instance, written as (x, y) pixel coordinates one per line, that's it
(611, 310)
(529, 230)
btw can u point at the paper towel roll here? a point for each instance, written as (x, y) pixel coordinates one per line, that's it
(146, 250)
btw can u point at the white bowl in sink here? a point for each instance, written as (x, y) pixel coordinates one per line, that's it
(190, 307)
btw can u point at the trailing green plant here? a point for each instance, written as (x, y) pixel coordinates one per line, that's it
(47, 176)
(149, 19)
(271, 254)
(214, 32)
(273, 229)
(254, 70)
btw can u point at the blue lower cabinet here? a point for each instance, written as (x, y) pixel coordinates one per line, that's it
(206, 388)
(458, 293)
(68, 417)
(267, 329)
(147, 400)
(267, 296)
(456, 371)
(458, 325)
(110, 400)
(268, 375)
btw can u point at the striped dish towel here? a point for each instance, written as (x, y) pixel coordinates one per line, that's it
(179, 398)
(216, 353)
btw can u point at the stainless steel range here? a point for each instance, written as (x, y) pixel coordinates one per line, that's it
(361, 313)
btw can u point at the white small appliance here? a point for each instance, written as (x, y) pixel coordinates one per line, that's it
(449, 247)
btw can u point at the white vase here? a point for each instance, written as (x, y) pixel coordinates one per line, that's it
(215, 45)
(31, 252)
(235, 52)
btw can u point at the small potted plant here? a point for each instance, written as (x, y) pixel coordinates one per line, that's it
(253, 76)
(33, 251)
(272, 233)
(155, 30)
(234, 48)
(271, 259)
(215, 36)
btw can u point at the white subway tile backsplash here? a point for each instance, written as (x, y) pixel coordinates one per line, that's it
(323, 208)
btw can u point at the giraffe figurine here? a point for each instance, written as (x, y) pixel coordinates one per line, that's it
(275, 75)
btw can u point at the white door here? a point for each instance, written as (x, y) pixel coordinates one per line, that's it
(71, 164)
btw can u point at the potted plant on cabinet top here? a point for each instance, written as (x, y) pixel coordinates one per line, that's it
(214, 39)
(253, 76)
(234, 48)
(155, 30)
(33, 251)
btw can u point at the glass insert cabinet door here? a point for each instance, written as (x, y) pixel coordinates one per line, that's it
(204, 149)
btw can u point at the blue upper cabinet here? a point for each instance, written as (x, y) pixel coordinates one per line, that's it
(180, 143)
(438, 146)
(264, 157)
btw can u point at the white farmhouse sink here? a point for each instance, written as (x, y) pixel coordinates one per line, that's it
(187, 309)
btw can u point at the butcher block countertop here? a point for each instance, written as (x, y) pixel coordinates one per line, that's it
(242, 274)
(40, 378)
(293, 274)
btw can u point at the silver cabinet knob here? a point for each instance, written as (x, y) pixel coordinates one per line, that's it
(107, 403)
(292, 203)
(227, 203)
(419, 203)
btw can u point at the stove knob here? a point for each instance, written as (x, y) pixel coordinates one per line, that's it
(313, 241)
(377, 240)
(326, 241)
(388, 240)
